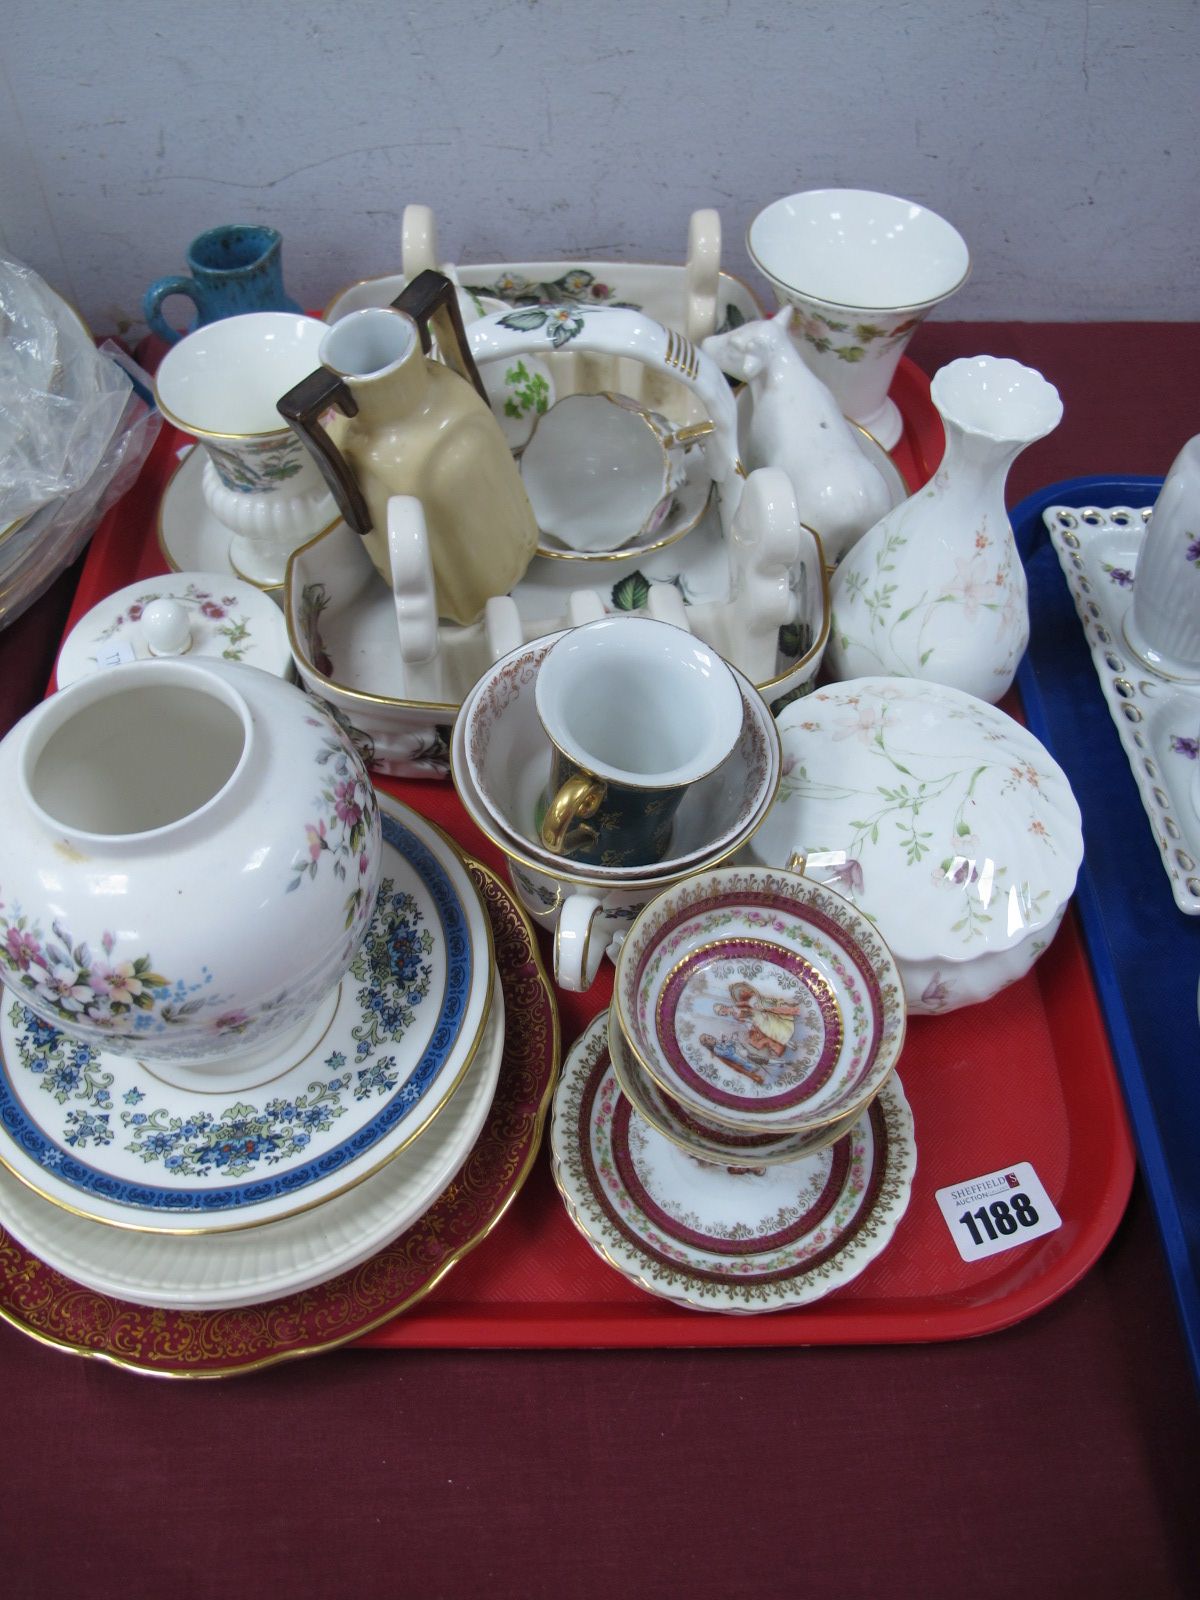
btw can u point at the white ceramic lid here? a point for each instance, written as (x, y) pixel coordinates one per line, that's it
(942, 818)
(179, 615)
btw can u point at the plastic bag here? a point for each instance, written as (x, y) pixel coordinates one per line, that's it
(60, 399)
(73, 436)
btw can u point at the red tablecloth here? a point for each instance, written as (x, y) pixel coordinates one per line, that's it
(1055, 1459)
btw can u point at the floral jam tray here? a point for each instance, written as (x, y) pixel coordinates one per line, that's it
(1145, 953)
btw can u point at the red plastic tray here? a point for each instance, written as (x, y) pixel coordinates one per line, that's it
(1026, 1077)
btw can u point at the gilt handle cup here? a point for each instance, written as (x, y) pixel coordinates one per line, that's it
(636, 712)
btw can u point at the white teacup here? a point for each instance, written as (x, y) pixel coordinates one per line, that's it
(601, 469)
(862, 271)
(221, 384)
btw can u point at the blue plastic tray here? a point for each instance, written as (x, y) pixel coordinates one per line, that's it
(1145, 952)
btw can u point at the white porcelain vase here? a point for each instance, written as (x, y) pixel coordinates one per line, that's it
(936, 590)
(1163, 624)
(189, 862)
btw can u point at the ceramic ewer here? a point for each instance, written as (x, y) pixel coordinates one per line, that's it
(190, 860)
(936, 589)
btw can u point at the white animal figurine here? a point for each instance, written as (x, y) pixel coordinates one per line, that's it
(795, 424)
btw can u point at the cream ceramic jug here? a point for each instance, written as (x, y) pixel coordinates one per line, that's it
(413, 426)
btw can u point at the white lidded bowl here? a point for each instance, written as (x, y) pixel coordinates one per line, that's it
(940, 817)
(190, 860)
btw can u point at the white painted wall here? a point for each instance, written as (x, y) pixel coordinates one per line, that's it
(1060, 136)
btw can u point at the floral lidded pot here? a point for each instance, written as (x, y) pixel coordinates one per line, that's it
(189, 862)
(941, 818)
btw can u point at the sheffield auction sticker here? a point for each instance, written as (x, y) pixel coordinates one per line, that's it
(998, 1211)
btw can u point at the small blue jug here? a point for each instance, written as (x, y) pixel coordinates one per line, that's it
(235, 268)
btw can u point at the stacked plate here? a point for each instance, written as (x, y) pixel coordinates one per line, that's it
(196, 1200)
(732, 1135)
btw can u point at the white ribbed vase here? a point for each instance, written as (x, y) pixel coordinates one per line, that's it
(1162, 626)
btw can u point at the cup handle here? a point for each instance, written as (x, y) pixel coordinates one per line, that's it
(412, 579)
(418, 240)
(577, 954)
(564, 826)
(160, 290)
(702, 276)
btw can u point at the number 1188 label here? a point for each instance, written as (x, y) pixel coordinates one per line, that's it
(998, 1211)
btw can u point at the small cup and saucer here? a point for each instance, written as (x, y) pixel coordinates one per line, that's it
(645, 758)
(608, 478)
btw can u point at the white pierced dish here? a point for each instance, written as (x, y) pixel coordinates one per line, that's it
(1157, 718)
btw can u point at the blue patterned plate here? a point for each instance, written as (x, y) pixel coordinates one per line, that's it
(97, 1133)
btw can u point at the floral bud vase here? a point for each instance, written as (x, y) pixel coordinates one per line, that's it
(1163, 624)
(936, 589)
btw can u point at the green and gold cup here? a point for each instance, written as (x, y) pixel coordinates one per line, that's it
(636, 711)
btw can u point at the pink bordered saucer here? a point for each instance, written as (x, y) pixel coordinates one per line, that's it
(760, 1001)
(713, 1238)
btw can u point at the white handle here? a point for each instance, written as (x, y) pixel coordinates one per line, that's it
(418, 241)
(665, 604)
(502, 626)
(584, 605)
(764, 547)
(702, 275)
(412, 579)
(578, 947)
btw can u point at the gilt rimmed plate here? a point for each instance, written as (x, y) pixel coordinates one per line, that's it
(703, 1236)
(97, 1133)
(760, 1001)
(246, 1266)
(42, 1303)
(706, 1140)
